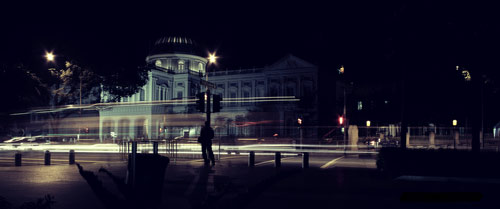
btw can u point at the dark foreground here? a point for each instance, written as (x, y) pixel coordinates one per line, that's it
(231, 184)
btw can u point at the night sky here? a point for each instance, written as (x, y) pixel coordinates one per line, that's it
(376, 42)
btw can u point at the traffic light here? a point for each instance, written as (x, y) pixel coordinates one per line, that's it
(217, 99)
(341, 120)
(200, 102)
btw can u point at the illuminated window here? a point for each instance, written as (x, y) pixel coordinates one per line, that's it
(360, 105)
(158, 63)
(181, 65)
(200, 67)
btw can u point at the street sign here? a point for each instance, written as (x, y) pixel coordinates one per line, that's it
(207, 84)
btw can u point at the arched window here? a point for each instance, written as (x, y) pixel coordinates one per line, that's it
(180, 65)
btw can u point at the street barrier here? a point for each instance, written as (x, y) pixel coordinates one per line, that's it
(251, 159)
(47, 157)
(18, 159)
(72, 157)
(305, 160)
(155, 148)
(277, 160)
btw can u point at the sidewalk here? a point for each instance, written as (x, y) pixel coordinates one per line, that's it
(189, 184)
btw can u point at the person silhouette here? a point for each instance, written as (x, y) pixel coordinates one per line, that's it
(205, 139)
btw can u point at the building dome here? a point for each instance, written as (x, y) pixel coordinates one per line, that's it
(175, 45)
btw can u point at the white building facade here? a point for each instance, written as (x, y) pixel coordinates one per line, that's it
(259, 102)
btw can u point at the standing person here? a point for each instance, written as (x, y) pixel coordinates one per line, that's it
(206, 136)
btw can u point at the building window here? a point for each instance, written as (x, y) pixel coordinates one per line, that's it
(125, 99)
(141, 95)
(290, 91)
(181, 65)
(162, 93)
(158, 63)
(246, 93)
(260, 92)
(200, 67)
(179, 94)
(180, 84)
(360, 105)
(274, 91)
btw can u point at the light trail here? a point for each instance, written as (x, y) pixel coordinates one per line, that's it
(327, 165)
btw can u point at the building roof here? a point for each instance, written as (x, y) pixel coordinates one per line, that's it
(172, 44)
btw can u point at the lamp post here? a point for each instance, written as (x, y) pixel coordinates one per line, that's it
(212, 59)
(454, 134)
(344, 115)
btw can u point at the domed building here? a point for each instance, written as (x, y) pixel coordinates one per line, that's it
(165, 108)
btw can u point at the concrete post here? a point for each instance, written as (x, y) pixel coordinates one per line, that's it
(72, 157)
(305, 160)
(456, 138)
(353, 137)
(18, 158)
(277, 160)
(251, 159)
(47, 157)
(432, 141)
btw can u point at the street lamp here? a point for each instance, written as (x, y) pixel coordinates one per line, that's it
(50, 56)
(212, 58)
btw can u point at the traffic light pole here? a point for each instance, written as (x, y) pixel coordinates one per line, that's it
(208, 96)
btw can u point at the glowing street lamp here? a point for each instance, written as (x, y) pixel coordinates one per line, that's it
(455, 122)
(368, 123)
(50, 56)
(212, 59)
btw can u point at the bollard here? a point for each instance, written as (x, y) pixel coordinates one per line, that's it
(72, 157)
(277, 160)
(155, 148)
(251, 159)
(47, 157)
(18, 158)
(305, 160)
